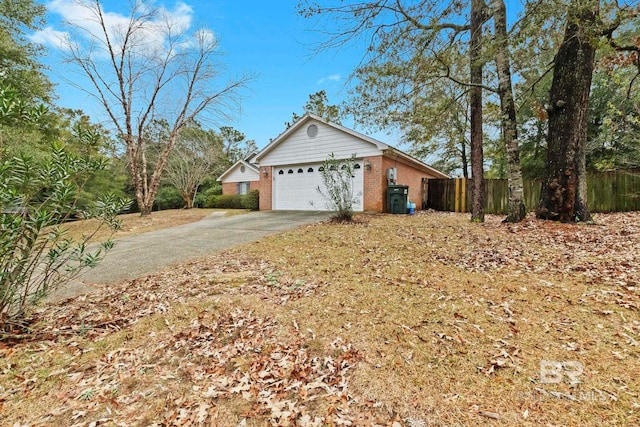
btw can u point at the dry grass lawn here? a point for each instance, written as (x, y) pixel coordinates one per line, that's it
(133, 224)
(425, 320)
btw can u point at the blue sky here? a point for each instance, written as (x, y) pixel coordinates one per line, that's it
(265, 38)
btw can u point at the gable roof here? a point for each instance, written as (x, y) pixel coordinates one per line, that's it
(251, 166)
(307, 118)
(250, 157)
(381, 146)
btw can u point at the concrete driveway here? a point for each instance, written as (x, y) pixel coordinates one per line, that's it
(146, 253)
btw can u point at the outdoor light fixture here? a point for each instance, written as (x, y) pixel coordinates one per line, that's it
(367, 165)
(265, 172)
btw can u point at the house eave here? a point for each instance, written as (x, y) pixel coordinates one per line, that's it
(236, 164)
(394, 152)
(308, 117)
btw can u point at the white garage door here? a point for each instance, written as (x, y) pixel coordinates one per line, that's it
(295, 187)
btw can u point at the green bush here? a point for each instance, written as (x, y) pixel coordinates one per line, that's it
(225, 201)
(206, 192)
(168, 197)
(337, 187)
(251, 200)
(36, 255)
(234, 201)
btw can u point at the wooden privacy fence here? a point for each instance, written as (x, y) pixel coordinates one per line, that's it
(617, 191)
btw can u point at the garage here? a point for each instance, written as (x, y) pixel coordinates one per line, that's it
(295, 187)
(288, 172)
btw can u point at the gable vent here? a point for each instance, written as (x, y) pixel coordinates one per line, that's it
(312, 131)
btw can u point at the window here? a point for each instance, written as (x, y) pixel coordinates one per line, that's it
(281, 172)
(356, 166)
(242, 187)
(290, 171)
(300, 170)
(242, 168)
(321, 168)
(310, 170)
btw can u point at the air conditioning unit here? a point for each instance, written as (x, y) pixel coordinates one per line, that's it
(392, 174)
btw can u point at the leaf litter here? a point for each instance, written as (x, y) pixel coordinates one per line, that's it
(395, 320)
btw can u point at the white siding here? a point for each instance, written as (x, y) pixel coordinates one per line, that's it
(300, 148)
(235, 175)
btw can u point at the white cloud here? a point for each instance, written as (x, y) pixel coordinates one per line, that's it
(50, 37)
(152, 36)
(206, 36)
(201, 38)
(331, 78)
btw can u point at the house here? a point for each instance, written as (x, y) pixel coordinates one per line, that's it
(240, 178)
(288, 175)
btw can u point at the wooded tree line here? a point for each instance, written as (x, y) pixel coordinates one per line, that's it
(154, 151)
(548, 91)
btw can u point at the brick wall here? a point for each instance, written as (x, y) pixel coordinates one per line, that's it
(407, 175)
(375, 184)
(229, 188)
(232, 187)
(264, 186)
(375, 181)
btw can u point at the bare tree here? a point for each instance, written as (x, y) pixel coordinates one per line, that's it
(145, 68)
(196, 155)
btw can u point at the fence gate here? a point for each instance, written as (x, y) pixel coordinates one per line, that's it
(452, 195)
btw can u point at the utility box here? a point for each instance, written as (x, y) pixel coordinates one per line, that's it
(397, 199)
(392, 175)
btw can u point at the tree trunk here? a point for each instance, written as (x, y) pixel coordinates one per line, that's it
(465, 161)
(564, 189)
(147, 188)
(477, 157)
(517, 211)
(136, 175)
(188, 199)
(195, 193)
